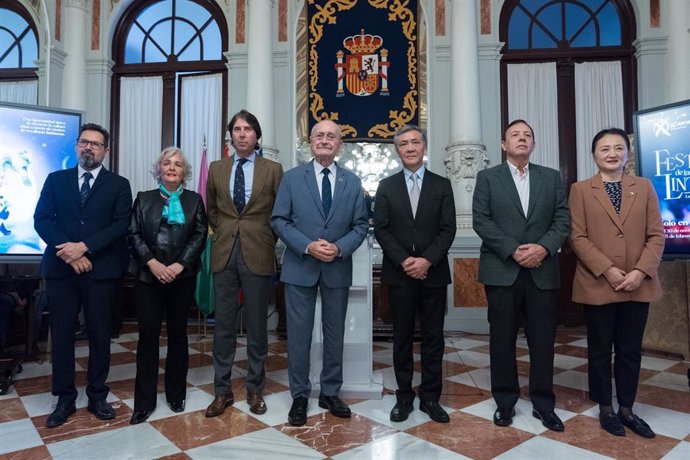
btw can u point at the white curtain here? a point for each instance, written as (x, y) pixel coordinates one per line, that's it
(598, 105)
(141, 119)
(19, 92)
(201, 115)
(533, 97)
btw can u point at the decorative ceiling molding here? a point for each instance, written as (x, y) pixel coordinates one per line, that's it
(35, 5)
(81, 4)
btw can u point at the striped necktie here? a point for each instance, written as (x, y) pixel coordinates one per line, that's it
(85, 187)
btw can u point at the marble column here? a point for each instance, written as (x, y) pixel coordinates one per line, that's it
(260, 88)
(50, 89)
(75, 40)
(677, 63)
(99, 74)
(465, 152)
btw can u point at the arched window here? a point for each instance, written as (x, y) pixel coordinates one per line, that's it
(173, 31)
(18, 54)
(564, 24)
(564, 34)
(173, 48)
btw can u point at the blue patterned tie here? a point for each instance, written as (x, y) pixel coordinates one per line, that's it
(85, 187)
(238, 188)
(326, 194)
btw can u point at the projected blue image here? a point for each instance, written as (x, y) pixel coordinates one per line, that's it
(33, 143)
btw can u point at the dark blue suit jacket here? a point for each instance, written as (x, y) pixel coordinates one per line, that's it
(101, 223)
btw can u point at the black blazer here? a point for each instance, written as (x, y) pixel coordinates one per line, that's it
(101, 223)
(429, 234)
(187, 241)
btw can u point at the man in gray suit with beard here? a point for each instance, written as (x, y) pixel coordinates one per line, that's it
(320, 215)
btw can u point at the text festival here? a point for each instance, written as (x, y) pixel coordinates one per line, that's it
(675, 169)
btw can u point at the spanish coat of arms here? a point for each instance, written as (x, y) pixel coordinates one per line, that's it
(363, 69)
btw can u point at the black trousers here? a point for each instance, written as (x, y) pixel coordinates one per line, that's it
(66, 296)
(429, 303)
(507, 304)
(154, 302)
(619, 326)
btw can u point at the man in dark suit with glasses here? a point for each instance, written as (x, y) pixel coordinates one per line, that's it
(82, 215)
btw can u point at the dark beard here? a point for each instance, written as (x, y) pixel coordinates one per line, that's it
(88, 161)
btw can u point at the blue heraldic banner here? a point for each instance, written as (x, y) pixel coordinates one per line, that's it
(362, 66)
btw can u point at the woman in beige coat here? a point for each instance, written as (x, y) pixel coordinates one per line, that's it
(618, 237)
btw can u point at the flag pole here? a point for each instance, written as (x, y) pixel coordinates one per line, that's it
(203, 294)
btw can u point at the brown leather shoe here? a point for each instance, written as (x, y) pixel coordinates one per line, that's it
(256, 403)
(217, 407)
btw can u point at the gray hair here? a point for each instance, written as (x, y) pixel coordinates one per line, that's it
(406, 129)
(165, 154)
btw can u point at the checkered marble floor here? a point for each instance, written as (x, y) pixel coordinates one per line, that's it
(663, 401)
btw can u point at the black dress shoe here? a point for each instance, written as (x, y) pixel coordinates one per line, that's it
(401, 411)
(334, 405)
(636, 424)
(549, 419)
(101, 409)
(298, 412)
(60, 414)
(435, 411)
(610, 423)
(139, 416)
(81, 335)
(176, 406)
(504, 416)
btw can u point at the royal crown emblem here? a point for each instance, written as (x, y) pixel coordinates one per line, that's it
(363, 69)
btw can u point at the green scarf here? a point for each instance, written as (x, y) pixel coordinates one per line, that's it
(172, 211)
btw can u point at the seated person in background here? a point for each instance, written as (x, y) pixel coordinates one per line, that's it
(8, 303)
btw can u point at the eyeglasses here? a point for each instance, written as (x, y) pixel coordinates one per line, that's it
(85, 143)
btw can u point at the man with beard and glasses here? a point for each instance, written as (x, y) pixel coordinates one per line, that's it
(82, 215)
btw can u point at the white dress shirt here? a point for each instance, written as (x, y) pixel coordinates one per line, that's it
(521, 183)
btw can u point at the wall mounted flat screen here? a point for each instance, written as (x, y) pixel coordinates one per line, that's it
(34, 141)
(663, 156)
